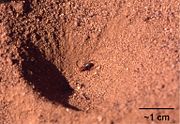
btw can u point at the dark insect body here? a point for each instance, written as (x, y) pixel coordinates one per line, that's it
(87, 66)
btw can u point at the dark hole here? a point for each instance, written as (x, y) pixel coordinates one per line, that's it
(27, 7)
(44, 76)
(163, 86)
(15, 61)
(147, 19)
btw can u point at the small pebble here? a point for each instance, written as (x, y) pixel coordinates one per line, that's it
(99, 118)
(67, 109)
(78, 87)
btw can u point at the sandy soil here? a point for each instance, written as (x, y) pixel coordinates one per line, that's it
(133, 44)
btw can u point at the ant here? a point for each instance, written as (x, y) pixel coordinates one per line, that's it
(87, 66)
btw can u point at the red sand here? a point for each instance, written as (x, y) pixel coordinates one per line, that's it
(134, 46)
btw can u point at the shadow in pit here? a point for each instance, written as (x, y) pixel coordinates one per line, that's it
(5, 1)
(44, 76)
(26, 5)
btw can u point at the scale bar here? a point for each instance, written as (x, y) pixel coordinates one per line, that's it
(157, 108)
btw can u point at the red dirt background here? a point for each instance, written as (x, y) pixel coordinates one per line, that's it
(134, 45)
